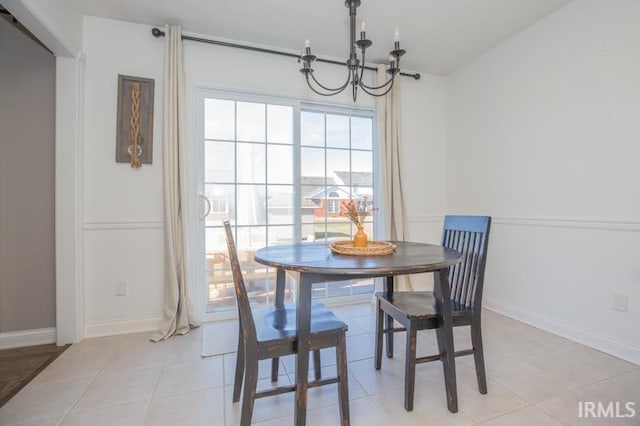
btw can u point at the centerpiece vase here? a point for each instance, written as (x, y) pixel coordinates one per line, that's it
(360, 238)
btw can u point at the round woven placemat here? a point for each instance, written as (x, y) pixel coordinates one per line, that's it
(373, 248)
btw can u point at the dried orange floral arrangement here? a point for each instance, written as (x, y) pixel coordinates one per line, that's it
(356, 213)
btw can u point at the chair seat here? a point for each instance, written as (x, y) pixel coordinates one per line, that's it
(421, 305)
(279, 323)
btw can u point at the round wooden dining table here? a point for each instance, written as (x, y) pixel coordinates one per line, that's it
(316, 263)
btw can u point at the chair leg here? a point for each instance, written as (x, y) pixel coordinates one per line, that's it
(250, 386)
(389, 336)
(343, 379)
(240, 364)
(379, 336)
(410, 368)
(317, 368)
(478, 356)
(449, 367)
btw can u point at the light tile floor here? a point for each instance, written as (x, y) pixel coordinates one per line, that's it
(534, 378)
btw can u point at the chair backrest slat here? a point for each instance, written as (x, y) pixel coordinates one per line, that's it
(467, 298)
(455, 270)
(447, 241)
(244, 307)
(467, 249)
(470, 236)
(482, 254)
(465, 267)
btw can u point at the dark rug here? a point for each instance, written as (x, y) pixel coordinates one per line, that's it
(19, 366)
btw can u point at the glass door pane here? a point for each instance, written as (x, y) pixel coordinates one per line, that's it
(248, 179)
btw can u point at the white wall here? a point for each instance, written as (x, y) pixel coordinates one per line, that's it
(123, 206)
(542, 134)
(423, 166)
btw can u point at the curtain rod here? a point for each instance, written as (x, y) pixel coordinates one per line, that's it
(157, 32)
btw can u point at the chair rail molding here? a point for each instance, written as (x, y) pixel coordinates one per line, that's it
(107, 225)
(581, 223)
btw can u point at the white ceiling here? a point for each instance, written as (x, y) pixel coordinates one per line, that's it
(439, 35)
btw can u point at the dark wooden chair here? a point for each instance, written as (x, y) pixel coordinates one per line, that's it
(416, 310)
(270, 333)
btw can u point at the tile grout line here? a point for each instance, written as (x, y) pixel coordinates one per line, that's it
(75, 403)
(513, 411)
(155, 388)
(535, 404)
(577, 389)
(384, 412)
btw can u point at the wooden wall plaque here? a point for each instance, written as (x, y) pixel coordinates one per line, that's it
(135, 117)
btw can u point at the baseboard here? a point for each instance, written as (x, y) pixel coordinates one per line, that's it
(110, 328)
(23, 338)
(603, 343)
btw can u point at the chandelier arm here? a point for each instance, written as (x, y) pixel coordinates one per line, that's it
(364, 88)
(382, 86)
(329, 89)
(321, 93)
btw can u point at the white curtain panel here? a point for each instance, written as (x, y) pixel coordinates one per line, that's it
(178, 316)
(392, 207)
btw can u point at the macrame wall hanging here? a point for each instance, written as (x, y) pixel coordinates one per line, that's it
(134, 137)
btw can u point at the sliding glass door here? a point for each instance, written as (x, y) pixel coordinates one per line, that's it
(279, 171)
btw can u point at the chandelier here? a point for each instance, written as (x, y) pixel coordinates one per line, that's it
(355, 66)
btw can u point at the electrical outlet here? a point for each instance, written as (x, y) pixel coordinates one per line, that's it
(121, 288)
(620, 301)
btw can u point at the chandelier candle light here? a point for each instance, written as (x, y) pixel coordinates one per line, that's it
(355, 66)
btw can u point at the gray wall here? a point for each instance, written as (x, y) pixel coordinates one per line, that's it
(27, 257)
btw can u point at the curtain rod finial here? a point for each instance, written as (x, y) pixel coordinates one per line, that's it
(156, 32)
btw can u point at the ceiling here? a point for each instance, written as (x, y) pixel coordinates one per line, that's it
(439, 35)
